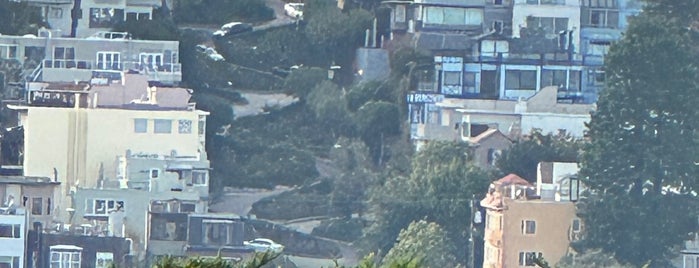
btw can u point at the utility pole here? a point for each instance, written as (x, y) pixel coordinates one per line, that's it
(470, 235)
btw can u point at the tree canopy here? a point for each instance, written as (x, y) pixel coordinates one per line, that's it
(423, 241)
(19, 18)
(438, 189)
(641, 164)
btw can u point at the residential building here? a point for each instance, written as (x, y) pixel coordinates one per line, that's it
(76, 132)
(179, 234)
(86, 17)
(689, 256)
(433, 117)
(13, 235)
(62, 250)
(487, 146)
(524, 222)
(32, 196)
(51, 58)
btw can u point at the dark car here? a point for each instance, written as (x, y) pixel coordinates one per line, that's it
(233, 28)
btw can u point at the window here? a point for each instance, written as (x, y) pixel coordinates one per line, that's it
(10, 231)
(168, 229)
(470, 82)
(201, 127)
(598, 48)
(453, 16)
(576, 226)
(163, 126)
(554, 78)
(154, 173)
(65, 259)
(216, 232)
(399, 13)
(151, 61)
(105, 17)
(528, 227)
(64, 57)
(140, 125)
(199, 178)
(550, 25)
(48, 206)
(187, 208)
(520, 80)
(493, 156)
(37, 203)
(595, 77)
(497, 2)
(55, 13)
(599, 3)
(104, 259)
(184, 126)
(102, 207)
(546, 2)
(9, 262)
(600, 18)
(527, 258)
(8, 51)
(107, 60)
(452, 78)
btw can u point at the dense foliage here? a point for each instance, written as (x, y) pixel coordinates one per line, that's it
(220, 11)
(425, 241)
(641, 164)
(19, 18)
(524, 156)
(439, 188)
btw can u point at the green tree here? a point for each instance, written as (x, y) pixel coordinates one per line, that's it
(524, 156)
(425, 241)
(19, 18)
(300, 82)
(328, 103)
(641, 163)
(590, 259)
(377, 121)
(439, 188)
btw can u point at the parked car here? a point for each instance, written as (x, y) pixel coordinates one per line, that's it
(264, 244)
(294, 10)
(233, 28)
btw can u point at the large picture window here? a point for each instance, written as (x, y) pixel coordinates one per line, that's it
(163, 126)
(105, 17)
(453, 16)
(520, 80)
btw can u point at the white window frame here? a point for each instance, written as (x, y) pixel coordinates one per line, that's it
(106, 60)
(399, 13)
(228, 224)
(184, 126)
(109, 205)
(150, 61)
(154, 173)
(106, 257)
(15, 231)
(11, 261)
(6, 49)
(65, 259)
(205, 176)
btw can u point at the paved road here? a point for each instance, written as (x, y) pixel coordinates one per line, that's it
(239, 201)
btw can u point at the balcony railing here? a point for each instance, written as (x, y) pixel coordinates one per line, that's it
(165, 68)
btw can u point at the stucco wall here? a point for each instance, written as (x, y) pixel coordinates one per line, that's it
(78, 141)
(553, 220)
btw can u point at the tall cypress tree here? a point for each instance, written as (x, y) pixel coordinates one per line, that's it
(641, 164)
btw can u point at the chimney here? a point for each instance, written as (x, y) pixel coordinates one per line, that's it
(544, 181)
(152, 95)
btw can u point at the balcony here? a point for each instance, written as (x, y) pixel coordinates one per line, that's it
(55, 70)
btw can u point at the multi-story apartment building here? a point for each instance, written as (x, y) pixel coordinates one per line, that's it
(51, 58)
(76, 132)
(510, 50)
(84, 18)
(524, 222)
(13, 233)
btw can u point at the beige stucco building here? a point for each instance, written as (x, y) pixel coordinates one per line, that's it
(76, 135)
(524, 222)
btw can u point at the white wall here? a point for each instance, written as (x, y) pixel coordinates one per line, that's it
(14, 247)
(551, 123)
